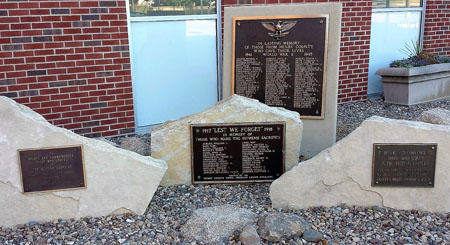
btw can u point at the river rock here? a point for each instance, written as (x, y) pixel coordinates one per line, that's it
(311, 235)
(343, 173)
(436, 116)
(276, 227)
(249, 236)
(211, 225)
(117, 180)
(171, 141)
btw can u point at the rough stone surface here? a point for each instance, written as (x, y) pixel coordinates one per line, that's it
(171, 141)
(117, 180)
(249, 236)
(436, 116)
(276, 227)
(311, 235)
(135, 144)
(343, 172)
(213, 224)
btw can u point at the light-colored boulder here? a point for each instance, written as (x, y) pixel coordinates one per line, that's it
(117, 180)
(211, 225)
(171, 141)
(436, 116)
(343, 173)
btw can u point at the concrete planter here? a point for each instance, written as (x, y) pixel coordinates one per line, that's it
(409, 86)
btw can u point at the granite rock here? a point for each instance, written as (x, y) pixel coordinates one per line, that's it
(436, 116)
(276, 227)
(311, 235)
(212, 224)
(249, 236)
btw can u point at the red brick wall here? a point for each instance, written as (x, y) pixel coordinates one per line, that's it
(69, 61)
(355, 43)
(437, 27)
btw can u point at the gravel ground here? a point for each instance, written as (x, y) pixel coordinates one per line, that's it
(172, 206)
(351, 115)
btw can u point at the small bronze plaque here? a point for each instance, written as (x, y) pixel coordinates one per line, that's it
(281, 61)
(238, 152)
(52, 169)
(408, 165)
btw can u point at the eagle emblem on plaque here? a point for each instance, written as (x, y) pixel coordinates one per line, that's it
(280, 29)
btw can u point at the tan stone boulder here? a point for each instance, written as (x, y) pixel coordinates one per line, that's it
(171, 141)
(343, 173)
(117, 180)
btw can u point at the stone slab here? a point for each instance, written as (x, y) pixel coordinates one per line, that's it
(117, 180)
(318, 134)
(342, 173)
(171, 141)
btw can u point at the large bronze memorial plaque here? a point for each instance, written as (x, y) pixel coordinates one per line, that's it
(281, 61)
(407, 165)
(52, 169)
(238, 152)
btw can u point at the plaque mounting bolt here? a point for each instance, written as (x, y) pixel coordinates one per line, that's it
(430, 183)
(432, 147)
(376, 182)
(239, 23)
(321, 21)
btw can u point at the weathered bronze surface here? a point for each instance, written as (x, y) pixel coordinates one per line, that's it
(281, 61)
(52, 169)
(238, 152)
(408, 165)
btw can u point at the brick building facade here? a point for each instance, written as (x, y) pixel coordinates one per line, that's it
(70, 61)
(436, 38)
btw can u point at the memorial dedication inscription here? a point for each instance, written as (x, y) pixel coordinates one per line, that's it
(52, 169)
(280, 61)
(409, 165)
(238, 152)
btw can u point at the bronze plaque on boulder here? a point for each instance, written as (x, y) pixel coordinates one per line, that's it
(281, 61)
(52, 169)
(408, 165)
(237, 152)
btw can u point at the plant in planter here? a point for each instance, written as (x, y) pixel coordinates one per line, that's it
(420, 78)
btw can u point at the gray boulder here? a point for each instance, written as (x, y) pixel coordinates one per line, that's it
(436, 116)
(276, 227)
(211, 225)
(311, 235)
(249, 236)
